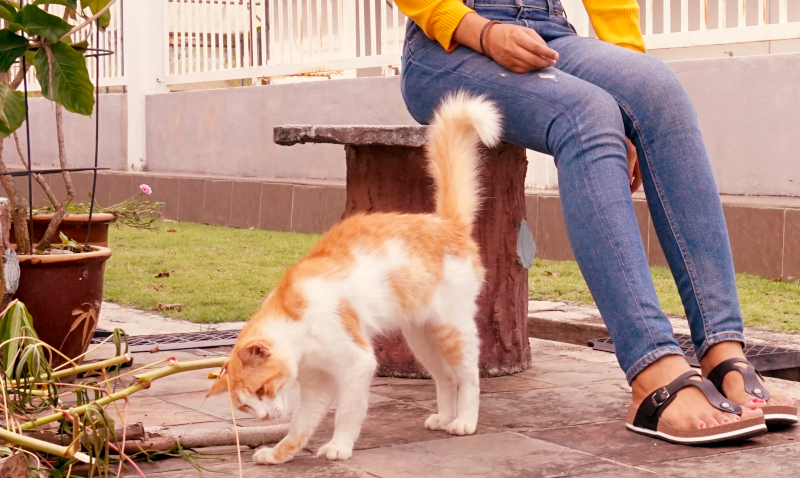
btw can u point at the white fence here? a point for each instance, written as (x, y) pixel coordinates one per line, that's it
(112, 66)
(212, 40)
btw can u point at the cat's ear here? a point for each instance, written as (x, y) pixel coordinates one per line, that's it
(220, 386)
(254, 354)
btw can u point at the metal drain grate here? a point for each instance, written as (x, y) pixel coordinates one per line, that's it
(193, 340)
(763, 357)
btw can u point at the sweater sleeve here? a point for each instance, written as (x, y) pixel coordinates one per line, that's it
(437, 18)
(617, 22)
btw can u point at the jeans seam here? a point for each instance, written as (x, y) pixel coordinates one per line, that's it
(586, 181)
(719, 338)
(648, 359)
(670, 219)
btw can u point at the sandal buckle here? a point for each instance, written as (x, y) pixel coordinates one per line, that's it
(660, 396)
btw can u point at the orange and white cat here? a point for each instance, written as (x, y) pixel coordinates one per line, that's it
(370, 274)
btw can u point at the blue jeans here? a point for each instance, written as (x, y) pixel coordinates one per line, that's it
(580, 111)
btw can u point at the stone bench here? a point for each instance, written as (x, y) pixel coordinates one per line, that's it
(386, 172)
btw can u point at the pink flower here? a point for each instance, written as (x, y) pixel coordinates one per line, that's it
(145, 189)
(161, 214)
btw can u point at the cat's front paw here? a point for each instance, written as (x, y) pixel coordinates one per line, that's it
(269, 456)
(332, 451)
(461, 427)
(437, 422)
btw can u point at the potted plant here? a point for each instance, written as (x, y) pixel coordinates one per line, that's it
(60, 280)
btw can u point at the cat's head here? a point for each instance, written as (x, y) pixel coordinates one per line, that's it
(259, 377)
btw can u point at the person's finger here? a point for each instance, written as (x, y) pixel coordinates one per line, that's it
(531, 41)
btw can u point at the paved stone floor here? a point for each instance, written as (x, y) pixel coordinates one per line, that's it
(561, 417)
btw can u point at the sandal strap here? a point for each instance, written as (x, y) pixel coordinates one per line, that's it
(750, 375)
(653, 406)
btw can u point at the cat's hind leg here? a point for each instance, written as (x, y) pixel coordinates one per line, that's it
(427, 352)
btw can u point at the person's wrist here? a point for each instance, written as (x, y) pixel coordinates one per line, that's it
(483, 39)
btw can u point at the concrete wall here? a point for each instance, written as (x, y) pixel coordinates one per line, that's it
(749, 115)
(229, 131)
(79, 135)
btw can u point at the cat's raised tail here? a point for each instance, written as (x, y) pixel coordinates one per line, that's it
(460, 124)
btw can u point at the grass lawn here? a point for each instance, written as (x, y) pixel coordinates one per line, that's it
(222, 274)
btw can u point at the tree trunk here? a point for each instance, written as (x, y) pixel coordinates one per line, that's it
(394, 178)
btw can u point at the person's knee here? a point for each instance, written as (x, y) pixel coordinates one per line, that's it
(652, 88)
(593, 119)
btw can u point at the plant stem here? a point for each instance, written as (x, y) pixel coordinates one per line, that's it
(34, 444)
(52, 228)
(90, 20)
(17, 208)
(81, 368)
(38, 177)
(143, 381)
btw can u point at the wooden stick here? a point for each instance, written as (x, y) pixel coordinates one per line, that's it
(164, 439)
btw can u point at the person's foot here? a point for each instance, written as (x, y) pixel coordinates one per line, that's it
(690, 408)
(733, 383)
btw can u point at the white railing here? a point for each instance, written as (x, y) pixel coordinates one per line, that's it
(210, 40)
(685, 23)
(112, 66)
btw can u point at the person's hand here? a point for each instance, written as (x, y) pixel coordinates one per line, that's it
(634, 172)
(517, 48)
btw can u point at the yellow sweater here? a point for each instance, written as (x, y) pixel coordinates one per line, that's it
(614, 21)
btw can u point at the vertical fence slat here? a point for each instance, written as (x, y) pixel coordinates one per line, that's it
(648, 18)
(684, 15)
(309, 36)
(396, 28)
(184, 43)
(382, 24)
(703, 14)
(290, 30)
(340, 28)
(762, 12)
(362, 42)
(783, 11)
(741, 5)
(667, 16)
(204, 12)
(722, 14)
(373, 37)
(318, 29)
(329, 31)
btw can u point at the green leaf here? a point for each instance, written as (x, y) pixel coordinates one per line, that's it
(95, 6)
(36, 21)
(7, 11)
(12, 46)
(68, 84)
(12, 110)
(80, 45)
(73, 4)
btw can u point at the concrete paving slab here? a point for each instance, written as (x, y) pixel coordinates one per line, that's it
(771, 461)
(612, 441)
(153, 411)
(548, 408)
(144, 322)
(414, 390)
(388, 424)
(496, 455)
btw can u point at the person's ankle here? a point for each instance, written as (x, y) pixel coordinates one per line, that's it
(719, 353)
(658, 374)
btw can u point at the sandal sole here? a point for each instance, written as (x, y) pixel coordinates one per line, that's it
(780, 420)
(733, 435)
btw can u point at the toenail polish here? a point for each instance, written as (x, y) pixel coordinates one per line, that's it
(738, 418)
(726, 421)
(754, 408)
(702, 425)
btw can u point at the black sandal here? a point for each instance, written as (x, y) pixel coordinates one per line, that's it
(774, 415)
(647, 418)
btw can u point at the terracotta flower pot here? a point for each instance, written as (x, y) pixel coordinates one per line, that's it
(74, 226)
(63, 293)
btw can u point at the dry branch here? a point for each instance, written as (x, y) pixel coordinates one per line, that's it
(164, 439)
(38, 177)
(18, 208)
